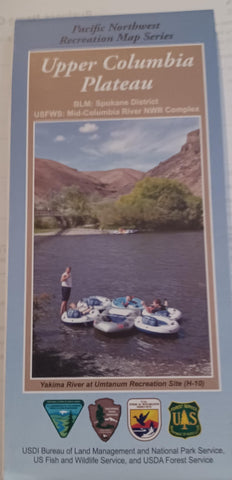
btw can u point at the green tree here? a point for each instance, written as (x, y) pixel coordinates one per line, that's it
(160, 203)
(70, 421)
(71, 204)
(195, 211)
(100, 416)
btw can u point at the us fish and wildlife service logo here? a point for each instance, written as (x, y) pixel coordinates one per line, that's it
(144, 418)
(184, 421)
(104, 416)
(63, 414)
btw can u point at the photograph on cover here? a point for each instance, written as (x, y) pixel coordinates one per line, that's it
(120, 279)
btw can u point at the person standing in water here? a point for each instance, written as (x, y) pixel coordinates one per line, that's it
(66, 286)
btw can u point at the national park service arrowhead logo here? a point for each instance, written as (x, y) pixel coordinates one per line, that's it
(63, 414)
(104, 416)
(184, 421)
(144, 418)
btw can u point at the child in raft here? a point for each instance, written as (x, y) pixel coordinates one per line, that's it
(129, 300)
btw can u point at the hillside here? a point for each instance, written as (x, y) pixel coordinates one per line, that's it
(51, 176)
(184, 166)
(118, 181)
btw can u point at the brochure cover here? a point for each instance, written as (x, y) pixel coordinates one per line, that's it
(119, 317)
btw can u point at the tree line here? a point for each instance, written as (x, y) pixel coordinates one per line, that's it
(154, 203)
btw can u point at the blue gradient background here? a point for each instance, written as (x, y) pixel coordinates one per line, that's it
(26, 422)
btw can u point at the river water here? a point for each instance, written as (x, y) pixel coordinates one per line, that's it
(147, 265)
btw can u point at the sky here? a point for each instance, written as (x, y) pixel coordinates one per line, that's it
(103, 145)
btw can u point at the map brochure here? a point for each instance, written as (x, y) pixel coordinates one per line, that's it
(119, 315)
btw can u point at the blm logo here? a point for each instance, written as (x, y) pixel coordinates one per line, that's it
(63, 414)
(184, 421)
(104, 416)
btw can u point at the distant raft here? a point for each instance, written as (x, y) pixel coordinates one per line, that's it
(124, 231)
(134, 304)
(115, 321)
(158, 323)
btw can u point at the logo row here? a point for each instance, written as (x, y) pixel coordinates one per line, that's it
(143, 417)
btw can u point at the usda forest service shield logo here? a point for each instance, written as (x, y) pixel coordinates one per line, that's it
(144, 418)
(104, 416)
(184, 421)
(63, 414)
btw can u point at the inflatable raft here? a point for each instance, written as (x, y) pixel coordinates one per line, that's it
(156, 324)
(76, 317)
(97, 303)
(134, 304)
(169, 312)
(86, 310)
(114, 321)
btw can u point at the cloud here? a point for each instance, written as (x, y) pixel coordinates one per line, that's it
(90, 151)
(126, 142)
(140, 143)
(116, 133)
(88, 128)
(157, 141)
(95, 136)
(59, 138)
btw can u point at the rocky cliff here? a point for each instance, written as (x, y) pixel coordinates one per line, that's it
(184, 166)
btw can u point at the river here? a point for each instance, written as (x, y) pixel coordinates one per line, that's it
(147, 265)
